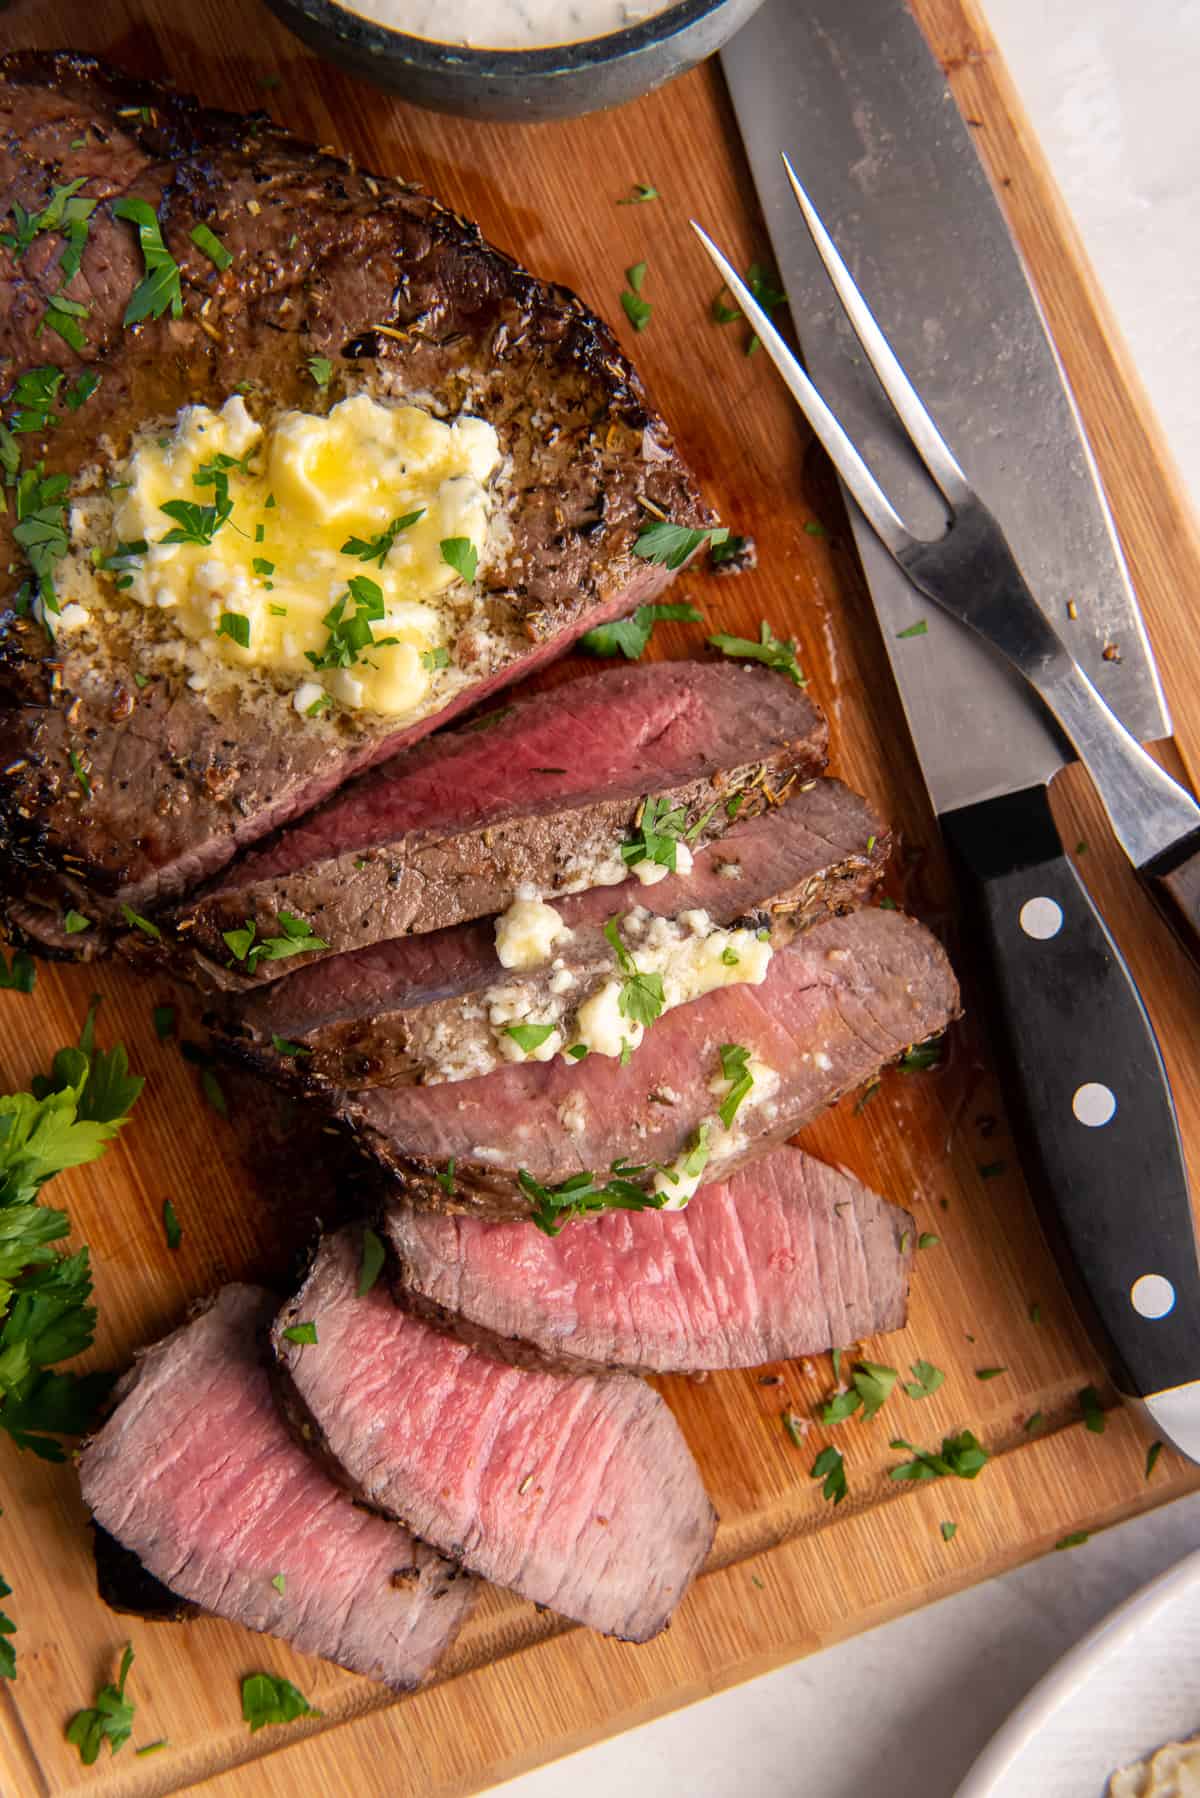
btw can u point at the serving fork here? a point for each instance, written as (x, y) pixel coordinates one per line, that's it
(1089, 1094)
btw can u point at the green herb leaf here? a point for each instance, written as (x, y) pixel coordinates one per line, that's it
(989, 1373)
(830, 1467)
(914, 630)
(584, 1193)
(529, 1037)
(670, 545)
(375, 549)
(928, 1240)
(235, 625)
(193, 523)
(171, 1225)
(210, 245)
(922, 1058)
(279, 1581)
(655, 837)
(460, 554)
(770, 650)
(642, 192)
(636, 275)
(796, 1427)
(304, 1332)
(75, 921)
(283, 1045)
(642, 997)
(949, 1531)
(136, 922)
(21, 976)
(962, 1456)
(109, 1720)
(266, 1699)
(160, 291)
(637, 310)
(432, 659)
(446, 1178)
(1076, 1539)
(321, 370)
(1036, 1423)
(1152, 1453)
(925, 1381)
(991, 1170)
(629, 636)
(372, 1262)
(8, 1652)
(735, 1067)
(1093, 1413)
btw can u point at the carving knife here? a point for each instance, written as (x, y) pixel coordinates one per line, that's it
(854, 96)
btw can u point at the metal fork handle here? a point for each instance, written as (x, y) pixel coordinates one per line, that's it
(972, 574)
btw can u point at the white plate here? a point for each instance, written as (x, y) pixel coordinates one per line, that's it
(1132, 1684)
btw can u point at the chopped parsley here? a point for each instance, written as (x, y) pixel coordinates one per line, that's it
(989, 1373)
(529, 1037)
(279, 1581)
(1091, 1410)
(949, 1531)
(1076, 1539)
(1152, 1453)
(304, 1333)
(136, 922)
(172, 1229)
(64, 211)
(432, 659)
(321, 370)
(764, 285)
(870, 1388)
(8, 1652)
(962, 1456)
(771, 651)
(298, 938)
(796, 1427)
(446, 1178)
(636, 275)
(460, 554)
(735, 1067)
(583, 1193)
(918, 629)
(656, 835)
(20, 976)
(210, 245)
(642, 192)
(235, 625)
(41, 527)
(62, 316)
(159, 291)
(637, 310)
(641, 997)
(629, 636)
(110, 1719)
(350, 633)
(74, 922)
(266, 1699)
(283, 1045)
(830, 1468)
(371, 1265)
(922, 1058)
(375, 549)
(928, 1239)
(79, 770)
(925, 1381)
(193, 523)
(670, 545)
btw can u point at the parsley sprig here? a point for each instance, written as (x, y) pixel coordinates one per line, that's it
(350, 632)
(110, 1719)
(583, 1193)
(670, 545)
(962, 1456)
(159, 291)
(641, 998)
(375, 549)
(735, 1067)
(772, 651)
(656, 834)
(298, 939)
(630, 636)
(266, 1699)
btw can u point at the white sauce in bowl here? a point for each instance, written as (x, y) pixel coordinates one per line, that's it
(507, 24)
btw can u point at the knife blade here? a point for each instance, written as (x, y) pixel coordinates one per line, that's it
(855, 97)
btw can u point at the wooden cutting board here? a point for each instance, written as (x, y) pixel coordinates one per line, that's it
(789, 1573)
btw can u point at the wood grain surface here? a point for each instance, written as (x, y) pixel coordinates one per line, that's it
(789, 1573)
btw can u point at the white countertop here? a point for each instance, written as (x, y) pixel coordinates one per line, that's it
(1111, 86)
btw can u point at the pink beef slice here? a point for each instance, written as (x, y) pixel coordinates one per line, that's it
(787, 1258)
(362, 1016)
(400, 295)
(838, 1004)
(197, 1475)
(542, 795)
(578, 1493)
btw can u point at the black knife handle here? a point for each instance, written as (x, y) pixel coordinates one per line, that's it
(1087, 1090)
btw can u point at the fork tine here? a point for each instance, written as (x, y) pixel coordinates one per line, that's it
(858, 478)
(926, 439)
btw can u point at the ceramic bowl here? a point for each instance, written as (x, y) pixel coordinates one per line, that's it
(560, 82)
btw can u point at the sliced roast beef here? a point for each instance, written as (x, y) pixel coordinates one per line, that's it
(577, 1492)
(838, 1003)
(405, 300)
(197, 1475)
(402, 1011)
(539, 796)
(787, 1258)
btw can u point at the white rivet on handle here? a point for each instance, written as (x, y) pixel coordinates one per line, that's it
(1152, 1295)
(1041, 918)
(1094, 1104)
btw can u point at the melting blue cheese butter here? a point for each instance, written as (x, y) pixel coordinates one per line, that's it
(323, 566)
